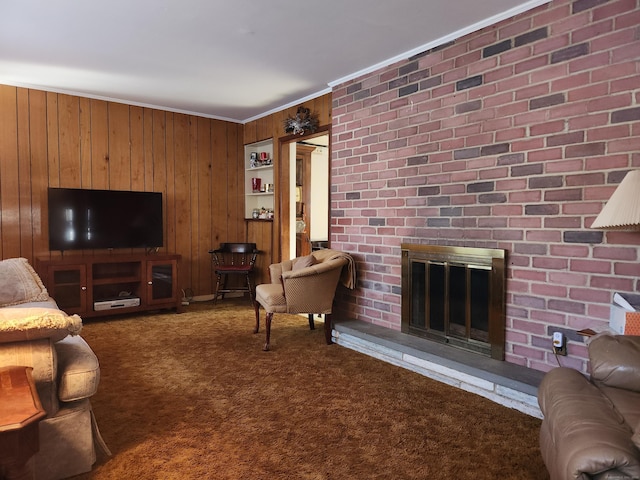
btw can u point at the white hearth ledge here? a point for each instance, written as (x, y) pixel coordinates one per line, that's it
(505, 383)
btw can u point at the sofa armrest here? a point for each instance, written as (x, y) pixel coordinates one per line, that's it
(78, 369)
(589, 437)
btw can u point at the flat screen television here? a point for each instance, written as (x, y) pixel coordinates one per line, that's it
(82, 219)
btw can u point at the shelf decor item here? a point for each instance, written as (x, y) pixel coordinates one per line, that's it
(258, 165)
(262, 159)
(254, 162)
(303, 122)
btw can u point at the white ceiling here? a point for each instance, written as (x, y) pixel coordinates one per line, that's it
(234, 59)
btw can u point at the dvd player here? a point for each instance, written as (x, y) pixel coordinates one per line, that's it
(118, 302)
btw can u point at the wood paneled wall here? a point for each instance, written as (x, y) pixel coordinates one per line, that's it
(49, 139)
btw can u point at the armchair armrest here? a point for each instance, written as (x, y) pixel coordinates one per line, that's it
(277, 269)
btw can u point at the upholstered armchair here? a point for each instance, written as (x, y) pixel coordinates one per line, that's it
(35, 333)
(304, 285)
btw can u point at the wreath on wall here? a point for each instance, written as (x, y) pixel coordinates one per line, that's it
(303, 122)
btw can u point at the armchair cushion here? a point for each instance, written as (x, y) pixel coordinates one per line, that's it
(22, 324)
(304, 262)
(272, 294)
(19, 283)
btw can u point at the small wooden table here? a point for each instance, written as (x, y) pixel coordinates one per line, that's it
(20, 412)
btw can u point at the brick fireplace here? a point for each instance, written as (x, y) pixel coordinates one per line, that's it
(511, 137)
(455, 296)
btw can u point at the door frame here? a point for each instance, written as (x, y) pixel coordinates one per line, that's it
(283, 222)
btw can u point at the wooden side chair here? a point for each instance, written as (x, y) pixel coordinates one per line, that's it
(235, 260)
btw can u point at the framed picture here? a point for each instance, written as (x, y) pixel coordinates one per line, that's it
(299, 171)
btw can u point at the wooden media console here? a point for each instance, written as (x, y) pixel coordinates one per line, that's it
(87, 284)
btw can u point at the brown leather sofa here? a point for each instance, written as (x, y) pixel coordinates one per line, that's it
(591, 426)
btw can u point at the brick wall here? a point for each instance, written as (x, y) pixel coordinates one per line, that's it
(511, 137)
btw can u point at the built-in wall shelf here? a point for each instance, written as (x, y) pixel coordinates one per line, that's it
(259, 196)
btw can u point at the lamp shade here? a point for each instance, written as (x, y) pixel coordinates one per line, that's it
(622, 211)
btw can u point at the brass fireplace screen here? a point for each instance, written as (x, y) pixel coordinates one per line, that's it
(455, 295)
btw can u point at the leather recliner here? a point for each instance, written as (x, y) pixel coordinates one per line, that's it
(591, 426)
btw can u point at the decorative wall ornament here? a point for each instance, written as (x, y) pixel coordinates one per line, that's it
(303, 122)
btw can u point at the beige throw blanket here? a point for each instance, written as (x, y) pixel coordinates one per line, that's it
(348, 276)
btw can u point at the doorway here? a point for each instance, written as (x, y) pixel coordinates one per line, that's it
(312, 195)
(306, 220)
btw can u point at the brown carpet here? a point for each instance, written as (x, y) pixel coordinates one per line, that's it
(193, 396)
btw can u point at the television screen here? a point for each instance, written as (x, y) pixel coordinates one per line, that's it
(87, 219)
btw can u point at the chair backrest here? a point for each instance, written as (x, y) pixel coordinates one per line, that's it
(311, 289)
(237, 247)
(235, 254)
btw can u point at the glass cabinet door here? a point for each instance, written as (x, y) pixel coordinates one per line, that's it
(69, 287)
(161, 281)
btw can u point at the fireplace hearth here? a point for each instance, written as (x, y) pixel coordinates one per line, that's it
(455, 295)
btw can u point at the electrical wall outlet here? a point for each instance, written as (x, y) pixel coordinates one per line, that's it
(559, 343)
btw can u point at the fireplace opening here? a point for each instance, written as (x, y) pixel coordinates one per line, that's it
(455, 295)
